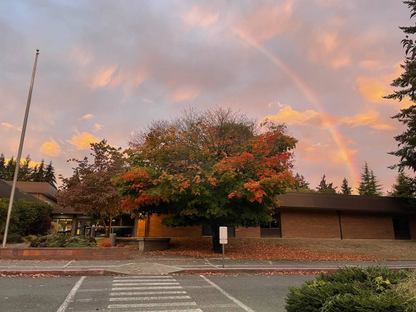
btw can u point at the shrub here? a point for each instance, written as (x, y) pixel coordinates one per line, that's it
(28, 217)
(351, 289)
(62, 240)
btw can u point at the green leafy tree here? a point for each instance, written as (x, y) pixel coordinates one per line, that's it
(39, 172)
(404, 186)
(325, 187)
(345, 188)
(213, 168)
(10, 167)
(90, 188)
(368, 184)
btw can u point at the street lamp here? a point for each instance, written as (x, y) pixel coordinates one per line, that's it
(19, 153)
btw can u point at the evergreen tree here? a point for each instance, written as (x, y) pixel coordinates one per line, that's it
(369, 185)
(404, 186)
(2, 167)
(301, 185)
(325, 187)
(345, 188)
(10, 167)
(50, 175)
(25, 171)
(39, 174)
(405, 87)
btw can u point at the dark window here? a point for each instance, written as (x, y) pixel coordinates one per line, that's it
(401, 228)
(271, 229)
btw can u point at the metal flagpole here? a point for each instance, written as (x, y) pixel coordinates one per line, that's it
(19, 153)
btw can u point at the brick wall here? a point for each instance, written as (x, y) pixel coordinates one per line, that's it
(247, 232)
(367, 226)
(309, 224)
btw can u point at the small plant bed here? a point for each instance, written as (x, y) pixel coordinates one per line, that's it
(61, 240)
(356, 289)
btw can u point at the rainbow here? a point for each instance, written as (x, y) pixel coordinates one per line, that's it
(311, 97)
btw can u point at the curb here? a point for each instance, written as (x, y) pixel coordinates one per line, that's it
(283, 271)
(58, 272)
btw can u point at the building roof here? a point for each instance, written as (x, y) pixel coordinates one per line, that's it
(43, 188)
(352, 203)
(6, 188)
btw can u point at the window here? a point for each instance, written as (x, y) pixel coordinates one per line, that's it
(271, 229)
(401, 227)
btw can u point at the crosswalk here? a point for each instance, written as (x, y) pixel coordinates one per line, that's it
(155, 293)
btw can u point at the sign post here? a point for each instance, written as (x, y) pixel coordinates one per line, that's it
(223, 240)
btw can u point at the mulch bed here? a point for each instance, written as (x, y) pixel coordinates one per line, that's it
(256, 249)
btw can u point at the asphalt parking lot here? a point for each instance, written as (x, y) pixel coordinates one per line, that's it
(178, 293)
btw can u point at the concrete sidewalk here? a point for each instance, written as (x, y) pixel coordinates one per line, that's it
(178, 265)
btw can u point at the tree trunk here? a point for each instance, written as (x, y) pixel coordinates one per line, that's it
(216, 246)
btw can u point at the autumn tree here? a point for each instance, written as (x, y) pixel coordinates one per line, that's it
(404, 186)
(345, 188)
(325, 187)
(90, 189)
(214, 168)
(369, 185)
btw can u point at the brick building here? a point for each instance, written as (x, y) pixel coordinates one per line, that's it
(314, 215)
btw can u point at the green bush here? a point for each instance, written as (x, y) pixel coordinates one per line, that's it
(351, 289)
(28, 218)
(62, 240)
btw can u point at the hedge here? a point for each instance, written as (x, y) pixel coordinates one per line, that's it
(28, 218)
(354, 289)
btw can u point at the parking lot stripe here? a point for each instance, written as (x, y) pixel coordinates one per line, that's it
(233, 299)
(151, 305)
(149, 298)
(70, 297)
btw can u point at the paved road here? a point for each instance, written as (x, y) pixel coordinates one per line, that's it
(180, 293)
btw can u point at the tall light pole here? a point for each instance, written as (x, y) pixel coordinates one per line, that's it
(19, 153)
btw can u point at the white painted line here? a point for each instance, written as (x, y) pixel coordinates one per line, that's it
(142, 280)
(149, 298)
(150, 305)
(235, 300)
(71, 295)
(69, 262)
(143, 276)
(181, 310)
(138, 293)
(145, 284)
(146, 288)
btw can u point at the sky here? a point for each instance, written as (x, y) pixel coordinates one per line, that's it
(107, 69)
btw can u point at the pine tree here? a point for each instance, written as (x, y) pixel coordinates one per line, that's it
(325, 187)
(404, 186)
(2, 167)
(39, 174)
(25, 171)
(301, 185)
(10, 167)
(369, 185)
(345, 188)
(50, 175)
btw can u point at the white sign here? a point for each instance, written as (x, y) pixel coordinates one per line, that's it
(223, 235)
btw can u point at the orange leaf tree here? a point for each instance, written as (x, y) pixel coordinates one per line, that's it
(216, 168)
